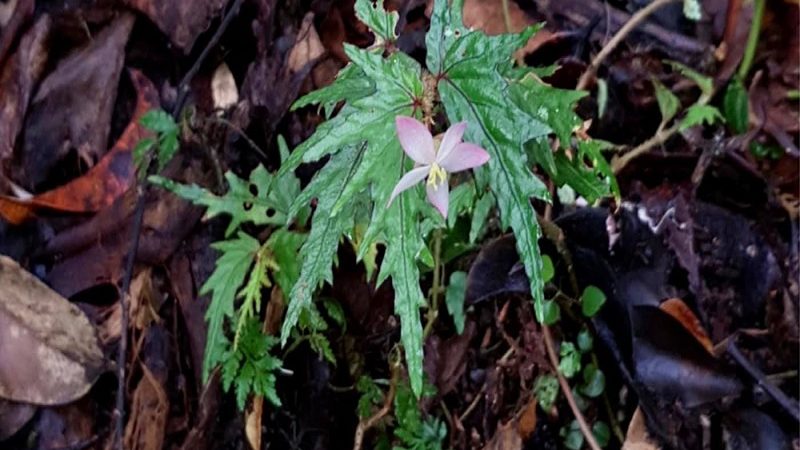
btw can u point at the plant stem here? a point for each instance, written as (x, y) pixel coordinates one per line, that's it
(619, 162)
(365, 424)
(506, 16)
(752, 38)
(438, 274)
(629, 26)
(551, 352)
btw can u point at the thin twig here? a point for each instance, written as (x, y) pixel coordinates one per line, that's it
(551, 352)
(789, 405)
(183, 90)
(506, 16)
(631, 25)
(365, 425)
(123, 338)
(619, 162)
(473, 404)
(184, 86)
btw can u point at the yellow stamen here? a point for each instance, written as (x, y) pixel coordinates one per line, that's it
(437, 176)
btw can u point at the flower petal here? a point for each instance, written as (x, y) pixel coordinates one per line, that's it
(452, 137)
(464, 156)
(415, 139)
(411, 178)
(439, 196)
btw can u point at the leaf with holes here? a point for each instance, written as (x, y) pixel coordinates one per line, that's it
(246, 200)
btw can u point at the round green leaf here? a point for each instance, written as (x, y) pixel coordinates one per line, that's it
(594, 381)
(547, 269)
(592, 300)
(601, 433)
(585, 340)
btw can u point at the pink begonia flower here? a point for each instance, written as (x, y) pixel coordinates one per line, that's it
(435, 165)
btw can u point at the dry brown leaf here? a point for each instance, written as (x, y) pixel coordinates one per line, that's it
(252, 427)
(679, 311)
(13, 416)
(104, 183)
(528, 420)
(181, 21)
(505, 438)
(17, 80)
(146, 428)
(70, 114)
(224, 92)
(48, 349)
(637, 437)
(308, 48)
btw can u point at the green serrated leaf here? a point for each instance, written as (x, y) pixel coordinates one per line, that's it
(454, 297)
(540, 152)
(350, 84)
(735, 105)
(319, 250)
(552, 106)
(260, 207)
(668, 103)
(698, 114)
(159, 121)
(140, 152)
(706, 84)
(251, 366)
(285, 246)
(480, 215)
(395, 84)
(399, 263)
(472, 88)
(371, 396)
(231, 269)
(462, 197)
(379, 21)
(593, 152)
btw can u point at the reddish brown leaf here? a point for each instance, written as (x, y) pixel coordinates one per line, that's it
(103, 183)
(676, 308)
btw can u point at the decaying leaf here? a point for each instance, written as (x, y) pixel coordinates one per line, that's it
(71, 111)
(637, 437)
(14, 416)
(679, 311)
(182, 22)
(505, 438)
(150, 406)
(224, 92)
(103, 183)
(48, 350)
(17, 80)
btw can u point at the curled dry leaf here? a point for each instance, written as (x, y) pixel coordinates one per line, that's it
(103, 183)
(14, 416)
(17, 80)
(223, 88)
(70, 114)
(48, 350)
(182, 22)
